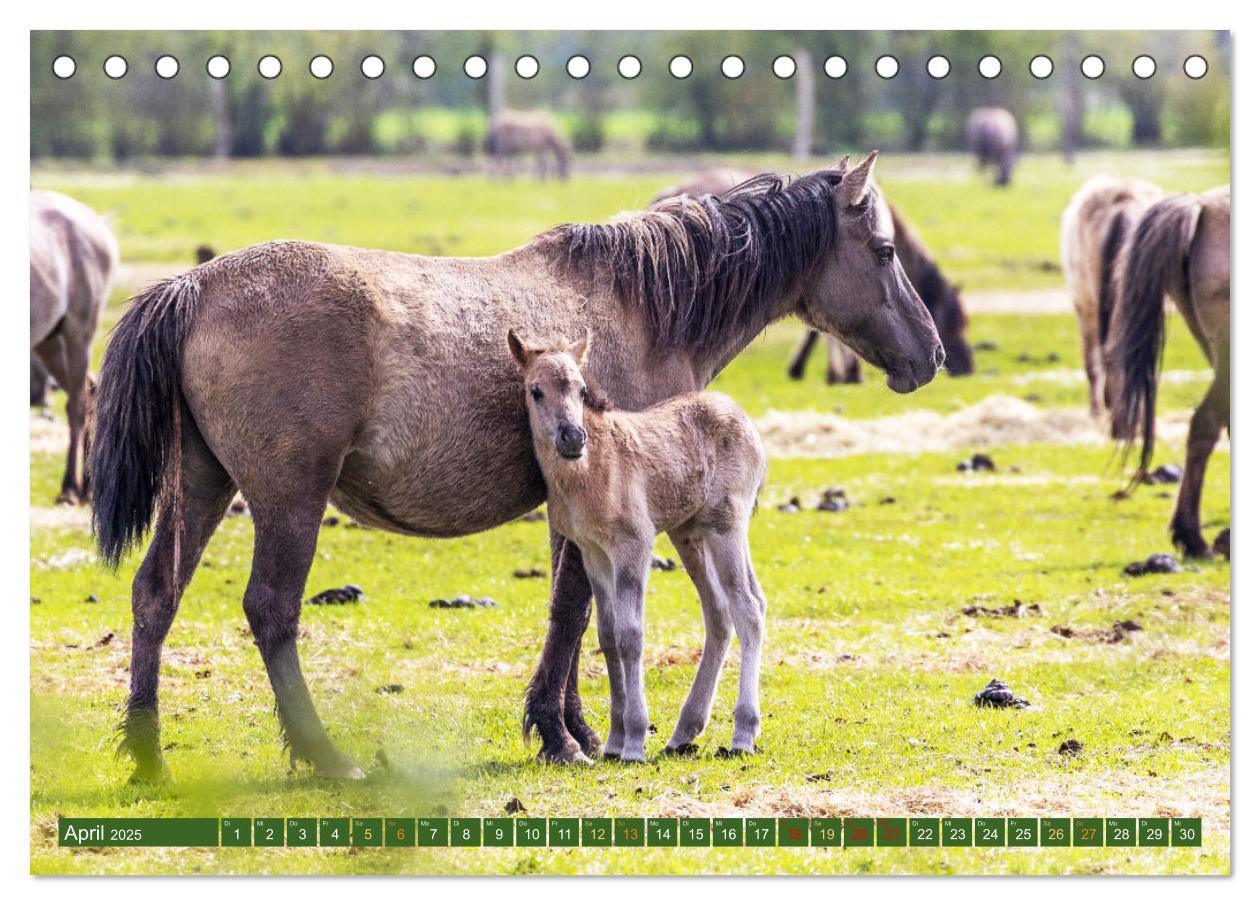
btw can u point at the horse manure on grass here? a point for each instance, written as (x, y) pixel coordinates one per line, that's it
(351, 593)
(1071, 748)
(462, 602)
(661, 564)
(532, 572)
(792, 505)
(391, 688)
(514, 806)
(1017, 610)
(998, 694)
(1155, 564)
(238, 507)
(978, 462)
(1165, 474)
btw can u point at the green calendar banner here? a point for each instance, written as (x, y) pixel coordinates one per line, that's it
(631, 832)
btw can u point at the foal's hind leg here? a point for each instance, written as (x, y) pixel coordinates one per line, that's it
(284, 545)
(717, 640)
(1205, 428)
(156, 592)
(747, 603)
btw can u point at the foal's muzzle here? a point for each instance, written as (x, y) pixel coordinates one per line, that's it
(570, 441)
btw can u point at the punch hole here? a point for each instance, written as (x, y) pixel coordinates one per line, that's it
(733, 66)
(1195, 66)
(166, 66)
(320, 66)
(475, 66)
(938, 66)
(629, 66)
(990, 66)
(887, 67)
(578, 66)
(835, 66)
(63, 67)
(784, 66)
(423, 67)
(1041, 66)
(1092, 67)
(527, 66)
(680, 66)
(218, 67)
(270, 67)
(372, 66)
(115, 66)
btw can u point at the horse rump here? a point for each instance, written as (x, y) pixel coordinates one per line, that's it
(137, 414)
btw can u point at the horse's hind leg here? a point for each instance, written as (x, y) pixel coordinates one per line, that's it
(284, 545)
(717, 640)
(747, 603)
(1205, 428)
(156, 592)
(68, 364)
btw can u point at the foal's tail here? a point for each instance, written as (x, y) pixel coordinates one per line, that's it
(136, 414)
(1155, 265)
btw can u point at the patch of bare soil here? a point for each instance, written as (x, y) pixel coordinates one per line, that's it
(54, 517)
(994, 421)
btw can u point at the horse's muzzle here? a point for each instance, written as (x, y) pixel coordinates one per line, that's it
(570, 441)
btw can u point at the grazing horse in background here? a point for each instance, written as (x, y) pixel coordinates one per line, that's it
(41, 383)
(514, 132)
(993, 137)
(691, 466)
(940, 297)
(302, 373)
(73, 259)
(1180, 249)
(1095, 224)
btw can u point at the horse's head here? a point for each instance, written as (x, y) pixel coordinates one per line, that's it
(556, 393)
(861, 294)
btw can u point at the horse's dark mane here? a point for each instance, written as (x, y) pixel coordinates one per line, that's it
(703, 268)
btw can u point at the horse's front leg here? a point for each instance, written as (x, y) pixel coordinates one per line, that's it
(552, 703)
(1205, 429)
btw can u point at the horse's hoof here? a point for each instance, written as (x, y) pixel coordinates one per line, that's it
(570, 754)
(687, 749)
(610, 755)
(1221, 544)
(340, 769)
(151, 774)
(68, 498)
(587, 738)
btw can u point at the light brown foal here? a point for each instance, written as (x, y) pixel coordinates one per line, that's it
(691, 466)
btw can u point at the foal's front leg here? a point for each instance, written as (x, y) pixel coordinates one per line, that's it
(630, 568)
(601, 575)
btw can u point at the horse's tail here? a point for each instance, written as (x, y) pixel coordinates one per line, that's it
(1118, 229)
(1154, 265)
(136, 414)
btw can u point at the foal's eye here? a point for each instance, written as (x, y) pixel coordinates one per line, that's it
(536, 393)
(885, 253)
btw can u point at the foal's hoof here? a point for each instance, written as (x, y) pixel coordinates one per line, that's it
(687, 749)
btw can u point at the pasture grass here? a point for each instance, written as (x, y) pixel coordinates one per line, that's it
(869, 670)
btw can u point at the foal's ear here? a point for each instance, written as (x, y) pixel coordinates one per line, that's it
(580, 349)
(855, 181)
(519, 352)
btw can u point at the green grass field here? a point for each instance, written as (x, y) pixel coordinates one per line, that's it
(870, 662)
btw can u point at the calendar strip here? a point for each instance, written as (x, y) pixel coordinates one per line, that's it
(631, 832)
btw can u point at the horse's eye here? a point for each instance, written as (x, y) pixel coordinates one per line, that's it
(536, 393)
(885, 253)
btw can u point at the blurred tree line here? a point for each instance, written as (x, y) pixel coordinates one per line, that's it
(91, 116)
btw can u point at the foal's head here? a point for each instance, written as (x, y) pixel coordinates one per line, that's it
(556, 391)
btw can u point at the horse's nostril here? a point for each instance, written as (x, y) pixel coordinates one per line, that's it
(938, 357)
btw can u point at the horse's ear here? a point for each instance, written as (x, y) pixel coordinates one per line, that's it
(855, 180)
(580, 349)
(519, 352)
(843, 165)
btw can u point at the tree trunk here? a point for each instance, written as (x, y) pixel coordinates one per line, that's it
(222, 119)
(496, 84)
(806, 105)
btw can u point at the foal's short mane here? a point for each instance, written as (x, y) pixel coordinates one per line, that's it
(703, 268)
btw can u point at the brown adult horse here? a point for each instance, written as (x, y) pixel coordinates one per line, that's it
(1179, 249)
(993, 136)
(1096, 222)
(940, 297)
(515, 132)
(301, 373)
(73, 259)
